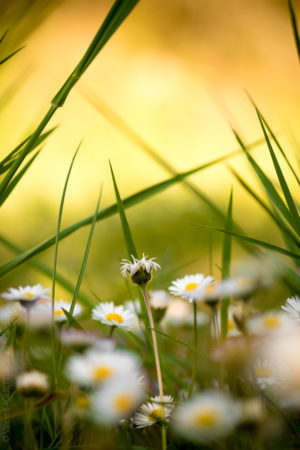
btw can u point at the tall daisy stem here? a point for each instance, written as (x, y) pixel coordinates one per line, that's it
(154, 340)
(195, 365)
(214, 308)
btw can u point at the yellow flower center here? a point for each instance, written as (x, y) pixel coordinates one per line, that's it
(263, 371)
(58, 312)
(210, 289)
(82, 402)
(206, 418)
(114, 316)
(123, 403)
(230, 325)
(191, 286)
(101, 373)
(271, 322)
(155, 414)
(29, 295)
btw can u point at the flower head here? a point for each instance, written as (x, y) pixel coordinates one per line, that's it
(292, 307)
(27, 295)
(206, 417)
(270, 322)
(140, 270)
(117, 316)
(154, 412)
(32, 384)
(191, 287)
(267, 373)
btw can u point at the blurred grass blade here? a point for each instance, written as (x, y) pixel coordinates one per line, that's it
(3, 36)
(85, 258)
(257, 242)
(117, 14)
(109, 211)
(273, 195)
(226, 261)
(294, 26)
(2, 61)
(178, 341)
(16, 179)
(48, 271)
(73, 322)
(275, 217)
(59, 224)
(284, 186)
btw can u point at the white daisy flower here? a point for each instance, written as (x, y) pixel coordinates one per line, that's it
(117, 401)
(140, 270)
(94, 368)
(206, 417)
(79, 338)
(154, 411)
(270, 322)
(267, 373)
(10, 312)
(292, 307)
(32, 384)
(160, 299)
(190, 287)
(134, 306)
(117, 316)
(180, 312)
(26, 295)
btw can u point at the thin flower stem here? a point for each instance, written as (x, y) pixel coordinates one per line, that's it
(155, 348)
(195, 365)
(215, 320)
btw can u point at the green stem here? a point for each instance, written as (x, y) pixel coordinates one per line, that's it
(164, 437)
(195, 365)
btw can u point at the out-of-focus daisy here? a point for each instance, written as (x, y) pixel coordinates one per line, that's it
(117, 316)
(140, 270)
(232, 329)
(154, 411)
(270, 322)
(10, 312)
(32, 384)
(95, 368)
(160, 299)
(266, 373)
(79, 338)
(133, 306)
(117, 401)
(292, 307)
(27, 295)
(191, 287)
(206, 417)
(180, 312)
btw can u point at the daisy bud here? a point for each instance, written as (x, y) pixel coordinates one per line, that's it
(32, 385)
(140, 270)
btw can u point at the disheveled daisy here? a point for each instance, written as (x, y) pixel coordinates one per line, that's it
(206, 417)
(94, 368)
(154, 411)
(117, 401)
(32, 384)
(27, 295)
(266, 373)
(117, 316)
(140, 270)
(191, 287)
(270, 322)
(292, 307)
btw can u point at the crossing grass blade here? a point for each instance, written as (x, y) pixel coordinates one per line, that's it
(275, 217)
(109, 211)
(2, 61)
(257, 242)
(271, 192)
(226, 261)
(115, 17)
(48, 271)
(294, 26)
(179, 342)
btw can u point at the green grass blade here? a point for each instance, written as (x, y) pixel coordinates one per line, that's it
(226, 261)
(275, 217)
(294, 26)
(16, 179)
(267, 245)
(85, 258)
(284, 186)
(272, 194)
(72, 321)
(178, 341)
(3, 36)
(48, 271)
(130, 201)
(2, 61)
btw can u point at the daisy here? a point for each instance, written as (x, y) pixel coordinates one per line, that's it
(27, 295)
(115, 316)
(79, 338)
(292, 307)
(266, 373)
(190, 287)
(117, 401)
(206, 417)
(140, 270)
(270, 322)
(10, 312)
(94, 368)
(154, 411)
(160, 299)
(32, 384)
(179, 313)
